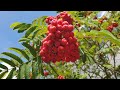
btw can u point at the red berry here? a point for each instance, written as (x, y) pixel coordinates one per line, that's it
(70, 27)
(45, 44)
(59, 21)
(64, 42)
(65, 23)
(110, 28)
(41, 53)
(74, 39)
(66, 35)
(59, 27)
(50, 35)
(115, 24)
(52, 29)
(65, 27)
(57, 43)
(58, 34)
(60, 49)
(60, 77)
(47, 20)
(54, 22)
(54, 49)
(45, 59)
(45, 49)
(72, 46)
(101, 21)
(67, 59)
(46, 73)
(71, 34)
(70, 40)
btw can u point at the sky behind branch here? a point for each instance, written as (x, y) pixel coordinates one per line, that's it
(8, 37)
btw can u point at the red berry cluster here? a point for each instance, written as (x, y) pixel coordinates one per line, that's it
(46, 73)
(60, 43)
(60, 77)
(110, 28)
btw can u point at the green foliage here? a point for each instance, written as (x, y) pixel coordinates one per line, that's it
(21, 52)
(98, 49)
(11, 73)
(30, 48)
(3, 66)
(13, 57)
(9, 62)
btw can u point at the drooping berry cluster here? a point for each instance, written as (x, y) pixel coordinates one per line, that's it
(110, 28)
(60, 43)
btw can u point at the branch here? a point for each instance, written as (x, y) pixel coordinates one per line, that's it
(114, 65)
(53, 69)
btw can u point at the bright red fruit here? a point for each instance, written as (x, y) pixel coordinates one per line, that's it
(54, 22)
(70, 27)
(59, 27)
(58, 34)
(60, 77)
(64, 42)
(44, 59)
(42, 53)
(60, 43)
(115, 24)
(46, 73)
(66, 35)
(52, 29)
(45, 44)
(101, 21)
(74, 39)
(65, 27)
(70, 39)
(71, 34)
(61, 49)
(65, 23)
(110, 28)
(59, 21)
(57, 43)
(50, 36)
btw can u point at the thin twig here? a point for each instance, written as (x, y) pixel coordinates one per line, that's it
(53, 69)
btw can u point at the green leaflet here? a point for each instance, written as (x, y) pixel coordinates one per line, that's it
(18, 26)
(13, 56)
(29, 31)
(10, 75)
(28, 66)
(23, 28)
(15, 24)
(24, 40)
(21, 52)
(34, 70)
(3, 74)
(8, 61)
(21, 72)
(110, 36)
(3, 66)
(30, 48)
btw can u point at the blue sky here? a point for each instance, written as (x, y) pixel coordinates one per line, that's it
(8, 37)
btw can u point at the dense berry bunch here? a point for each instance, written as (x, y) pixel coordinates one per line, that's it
(60, 43)
(110, 28)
